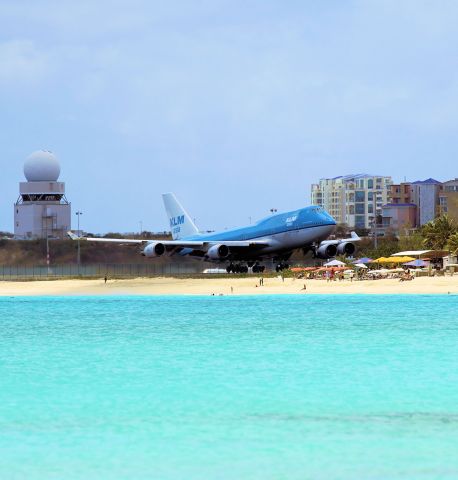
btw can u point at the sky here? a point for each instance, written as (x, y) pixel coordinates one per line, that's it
(237, 106)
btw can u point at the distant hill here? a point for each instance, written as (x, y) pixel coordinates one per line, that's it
(33, 252)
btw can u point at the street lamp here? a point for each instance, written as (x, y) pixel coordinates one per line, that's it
(78, 214)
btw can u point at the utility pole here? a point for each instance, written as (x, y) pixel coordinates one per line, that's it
(47, 246)
(78, 214)
(141, 227)
(374, 232)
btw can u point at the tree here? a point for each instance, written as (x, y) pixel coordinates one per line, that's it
(452, 244)
(341, 230)
(437, 232)
(414, 241)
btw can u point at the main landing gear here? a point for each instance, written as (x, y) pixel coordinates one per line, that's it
(240, 268)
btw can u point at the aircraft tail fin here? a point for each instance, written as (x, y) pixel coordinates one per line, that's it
(181, 224)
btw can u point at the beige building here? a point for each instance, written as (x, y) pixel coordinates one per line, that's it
(353, 199)
(448, 199)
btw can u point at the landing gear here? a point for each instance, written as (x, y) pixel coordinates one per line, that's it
(240, 268)
(258, 268)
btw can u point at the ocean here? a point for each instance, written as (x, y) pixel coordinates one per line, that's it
(262, 388)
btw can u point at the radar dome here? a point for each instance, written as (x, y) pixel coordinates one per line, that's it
(42, 166)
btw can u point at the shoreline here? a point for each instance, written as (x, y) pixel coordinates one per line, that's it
(226, 286)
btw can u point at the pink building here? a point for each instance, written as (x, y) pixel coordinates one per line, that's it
(399, 216)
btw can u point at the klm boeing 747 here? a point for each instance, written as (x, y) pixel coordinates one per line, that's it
(274, 237)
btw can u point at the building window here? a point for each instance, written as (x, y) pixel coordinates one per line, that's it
(370, 196)
(359, 208)
(360, 197)
(360, 221)
(370, 208)
(370, 183)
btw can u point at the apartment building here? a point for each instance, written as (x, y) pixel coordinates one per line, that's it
(425, 195)
(353, 199)
(448, 199)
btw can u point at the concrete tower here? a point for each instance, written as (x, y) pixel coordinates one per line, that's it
(41, 211)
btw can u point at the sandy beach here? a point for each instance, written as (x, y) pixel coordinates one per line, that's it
(218, 286)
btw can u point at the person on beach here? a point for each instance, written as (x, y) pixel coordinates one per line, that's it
(105, 279)
(304, 287)
(352, 274)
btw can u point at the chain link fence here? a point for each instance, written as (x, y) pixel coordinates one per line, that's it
(112, 270)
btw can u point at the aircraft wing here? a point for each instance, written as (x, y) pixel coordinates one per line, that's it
(113, 240)
(178, 244)
(239, 243)
(166, 243)
(354, 237)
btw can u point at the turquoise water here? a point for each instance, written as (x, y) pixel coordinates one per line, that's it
(277, 387)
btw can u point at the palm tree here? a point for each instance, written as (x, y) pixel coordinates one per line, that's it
(437, 232)
(453, 243)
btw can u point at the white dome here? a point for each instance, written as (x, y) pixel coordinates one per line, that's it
(42, 166)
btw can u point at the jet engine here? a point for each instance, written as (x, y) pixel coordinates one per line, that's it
(346, 248)
(218, 252)
(328, 250)
(154, 249)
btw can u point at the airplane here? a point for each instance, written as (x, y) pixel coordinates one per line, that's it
(274, 237)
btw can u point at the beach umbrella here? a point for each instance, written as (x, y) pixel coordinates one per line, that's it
(416, 263)
(381, 260)
(334, 263)
(360, 265)
(401, 259)
(363, 260)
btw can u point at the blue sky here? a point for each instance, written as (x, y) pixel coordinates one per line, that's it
(236, 106)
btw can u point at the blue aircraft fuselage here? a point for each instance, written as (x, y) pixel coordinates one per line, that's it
(284, 231)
